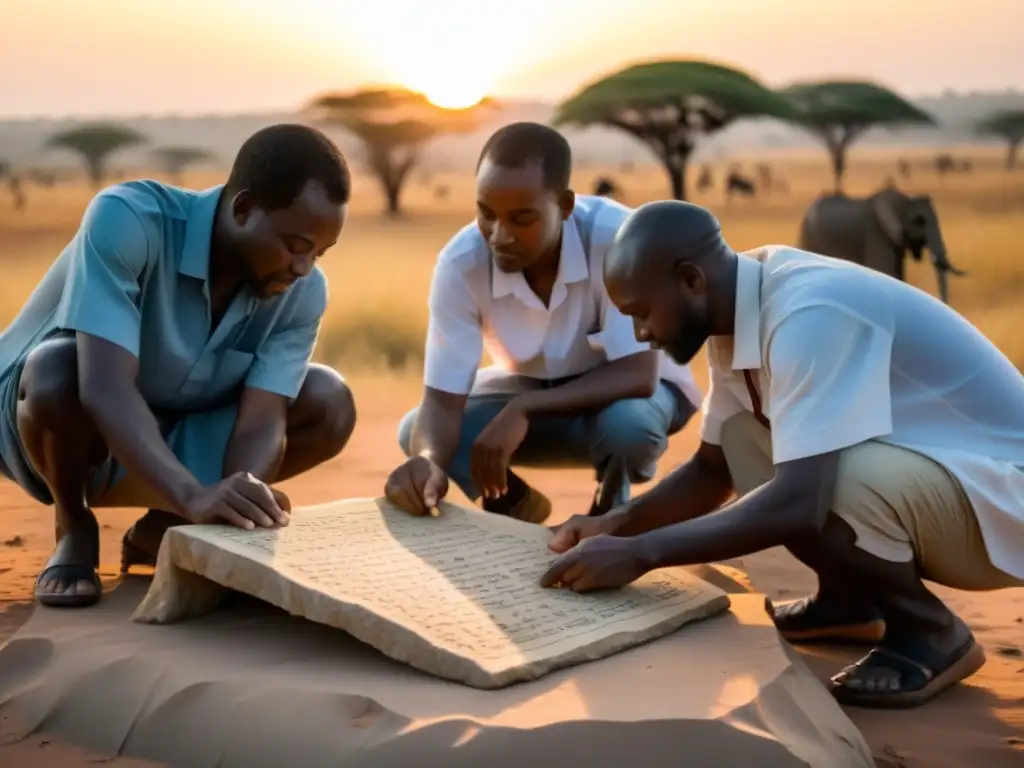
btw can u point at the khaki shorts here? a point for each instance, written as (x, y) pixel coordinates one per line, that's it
(901, 505)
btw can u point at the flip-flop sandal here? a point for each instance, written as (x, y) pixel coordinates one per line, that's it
(803, 621)
(923, 671)
(69, 574)
(131, 555)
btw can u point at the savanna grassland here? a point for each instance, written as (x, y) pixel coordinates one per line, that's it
(380, 271)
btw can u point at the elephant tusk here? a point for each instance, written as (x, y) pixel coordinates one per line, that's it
(942, 263)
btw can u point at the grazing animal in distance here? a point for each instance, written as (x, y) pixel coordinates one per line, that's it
(877, 232)
(605, 187)
(737, 184)
(705, 181)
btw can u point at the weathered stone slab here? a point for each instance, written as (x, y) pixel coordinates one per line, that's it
(456, 595)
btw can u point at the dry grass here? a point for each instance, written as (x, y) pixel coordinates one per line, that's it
(380, 272)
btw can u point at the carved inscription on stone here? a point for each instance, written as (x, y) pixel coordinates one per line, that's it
(461, 581)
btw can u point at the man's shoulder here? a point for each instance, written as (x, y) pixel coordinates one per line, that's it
(791, 270)
(148, 199)
(312, 290)
(464, 258)
(599, 218)
(465, 248)
(794, 279)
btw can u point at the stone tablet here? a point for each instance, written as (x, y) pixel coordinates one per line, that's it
(455, 595)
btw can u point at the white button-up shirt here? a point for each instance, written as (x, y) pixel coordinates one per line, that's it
(475, 306)
(841, 354)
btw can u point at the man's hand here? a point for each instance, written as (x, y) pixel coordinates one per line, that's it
(602, 562)
(416, 486)
(493, 449)
(242, 500)
(579, 527)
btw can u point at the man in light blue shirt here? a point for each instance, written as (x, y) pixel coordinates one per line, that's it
(164, 359)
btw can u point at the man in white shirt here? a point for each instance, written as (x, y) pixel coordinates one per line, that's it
(863, 424)
(570, 383)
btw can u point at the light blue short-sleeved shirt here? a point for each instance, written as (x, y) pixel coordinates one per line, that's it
(136, 274)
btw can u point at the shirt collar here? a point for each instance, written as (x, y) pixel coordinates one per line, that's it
(194, 260)
(747, 332)
(572, 268)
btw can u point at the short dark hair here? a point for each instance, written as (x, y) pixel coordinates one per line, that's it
(277, 162)
(516, 144)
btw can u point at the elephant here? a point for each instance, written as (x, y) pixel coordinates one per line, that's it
(877, 231)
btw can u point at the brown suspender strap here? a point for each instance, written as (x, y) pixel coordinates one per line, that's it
(755, 400)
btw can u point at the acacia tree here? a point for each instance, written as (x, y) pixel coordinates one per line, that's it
(668, 105)
(95, 142)
(838, 112)
(393, 124)
(174, 160)
(1008, 125)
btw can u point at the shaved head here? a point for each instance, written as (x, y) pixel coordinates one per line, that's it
(671, 271)
(656, 236)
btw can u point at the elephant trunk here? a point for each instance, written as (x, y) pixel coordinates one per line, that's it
(940, 275)
(940, 262)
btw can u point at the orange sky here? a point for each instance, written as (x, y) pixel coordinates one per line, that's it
(94, 57)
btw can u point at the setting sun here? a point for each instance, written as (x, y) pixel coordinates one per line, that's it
(454, 99)
(452, 94)
(446, 49)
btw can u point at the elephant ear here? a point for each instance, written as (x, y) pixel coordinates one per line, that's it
(888, 219)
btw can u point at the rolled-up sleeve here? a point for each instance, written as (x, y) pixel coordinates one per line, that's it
(454, 343)
(283, 358)
(829, 389)
(720, 404)
(109, 255)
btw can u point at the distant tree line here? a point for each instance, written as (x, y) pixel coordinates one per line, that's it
(667, 105)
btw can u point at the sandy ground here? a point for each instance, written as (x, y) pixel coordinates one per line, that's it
(978, 723)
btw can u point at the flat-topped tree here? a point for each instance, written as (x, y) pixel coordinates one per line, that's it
(1009, 125)
(95, 142)
(393, 125)
(669, 105)
(173, 160)
(839, 112)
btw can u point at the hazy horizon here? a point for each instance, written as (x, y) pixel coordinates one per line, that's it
(118, 57)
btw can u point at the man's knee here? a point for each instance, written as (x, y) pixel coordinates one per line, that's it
(328, 406)
(740, 430)
(405, 428)
(747, 447)
(630, 430)
(48, 390)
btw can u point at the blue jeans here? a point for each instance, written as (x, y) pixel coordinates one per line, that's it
(622, 442)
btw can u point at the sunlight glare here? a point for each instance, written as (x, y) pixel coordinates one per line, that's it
(453, 51)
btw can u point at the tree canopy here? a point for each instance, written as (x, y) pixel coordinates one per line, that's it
(839, 112)
(95, 142)
(668, 105)
(1008, 125)
(173, 160)
(393, 124)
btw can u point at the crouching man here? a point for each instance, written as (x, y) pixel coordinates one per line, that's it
(164, 359)
(863, 425)
(570, 384)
